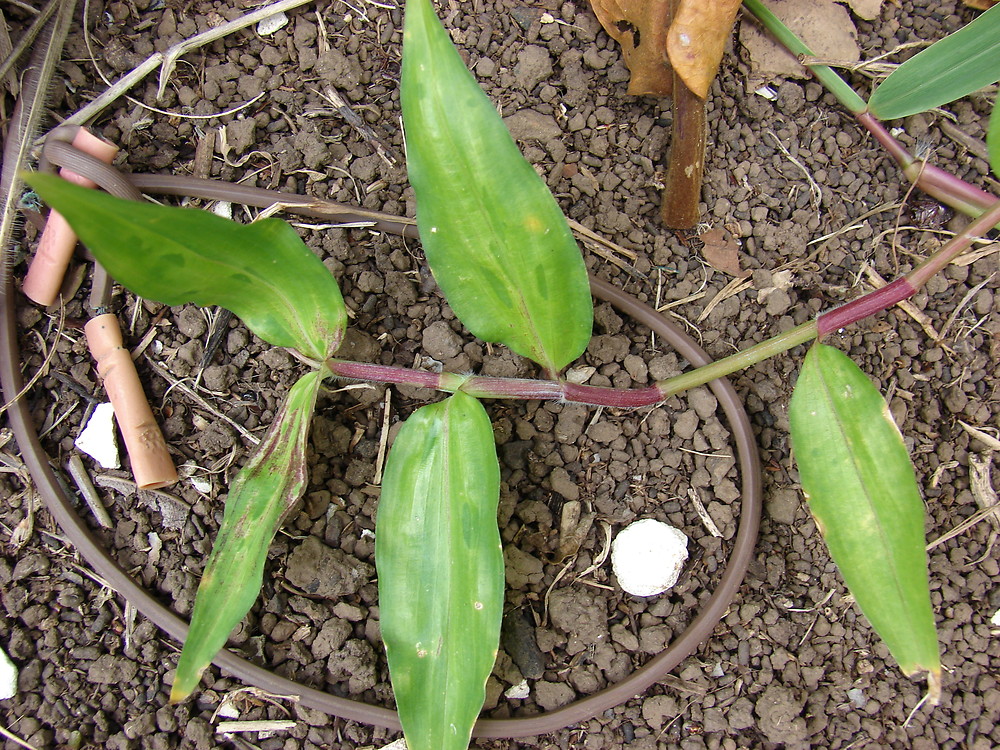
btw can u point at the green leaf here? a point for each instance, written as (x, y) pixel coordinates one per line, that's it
(498, 245)
(862, 491)
(440, 570)
(261, 496)
(261, 271)
(949, 69)
(993, 139)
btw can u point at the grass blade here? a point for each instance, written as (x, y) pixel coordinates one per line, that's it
(260, 497)
(261, 271)
(440, 570)
(863, 493)
(949, 69)
(498, 245)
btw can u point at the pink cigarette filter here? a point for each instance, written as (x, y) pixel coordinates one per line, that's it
(45, 275)
(147, 450)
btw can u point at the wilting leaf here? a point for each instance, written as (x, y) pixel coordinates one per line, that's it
(494, 236)
(640, 26)
(261, 271)
(862, 491)
(262, 494)
(440, 570)
(949, 69)
(697, 39)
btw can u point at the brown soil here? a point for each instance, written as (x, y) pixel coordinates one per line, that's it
(793, 664)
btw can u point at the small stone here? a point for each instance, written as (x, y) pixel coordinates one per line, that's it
(563, 484)
(686, 424)
(520, 691)
(440, 342)
(98, 439)
(552, 695)
(647, 557)
(325, 572)
(112, 670)
(779, 711)
(534, 65)
(783, 505)
(8, 677)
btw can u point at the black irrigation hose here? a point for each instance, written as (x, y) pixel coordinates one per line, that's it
(62, 507)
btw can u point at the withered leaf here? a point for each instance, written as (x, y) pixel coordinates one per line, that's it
(697, 38)
(640, 26)
(721, 251)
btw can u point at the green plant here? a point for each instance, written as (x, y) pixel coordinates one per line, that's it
(505, 260)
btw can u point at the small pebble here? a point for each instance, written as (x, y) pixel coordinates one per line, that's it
(8, 677)
(98, 438)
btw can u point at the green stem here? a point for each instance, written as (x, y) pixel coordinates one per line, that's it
(826, 75)
(776, 345)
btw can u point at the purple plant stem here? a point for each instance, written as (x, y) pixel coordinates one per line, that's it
(862, 307)
(933, 180)
(490, 387)
(624, 399)
(383, 373)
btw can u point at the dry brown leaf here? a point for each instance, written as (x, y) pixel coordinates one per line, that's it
(721, 251)
(981, 4)
(640, 27)
(697, 39)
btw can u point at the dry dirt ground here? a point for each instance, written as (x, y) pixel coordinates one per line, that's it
(793, 664)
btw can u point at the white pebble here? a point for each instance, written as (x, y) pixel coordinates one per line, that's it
(518, 692)
(272, 23)
(648, 556)
(8, 677)
(995, 620)
(98, 438)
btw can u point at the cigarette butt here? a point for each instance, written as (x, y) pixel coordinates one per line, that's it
(147, 450)
(55, 248)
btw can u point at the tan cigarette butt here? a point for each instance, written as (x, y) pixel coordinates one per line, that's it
(55, 248)
(147, 450)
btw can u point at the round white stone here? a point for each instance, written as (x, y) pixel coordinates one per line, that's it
(647, 557)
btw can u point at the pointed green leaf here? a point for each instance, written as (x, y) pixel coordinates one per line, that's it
(440, 570)
(863, 493)
(494, 236)
(261, 495)
(262, 271)
(993, 140)
(949, 69)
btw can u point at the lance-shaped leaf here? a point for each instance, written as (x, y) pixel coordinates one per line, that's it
(862, 491)
(949, 69)
(260, 497)
(262, 271)
(498, 245)
(440, 570)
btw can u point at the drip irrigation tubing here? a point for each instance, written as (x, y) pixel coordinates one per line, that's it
(63, 508)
